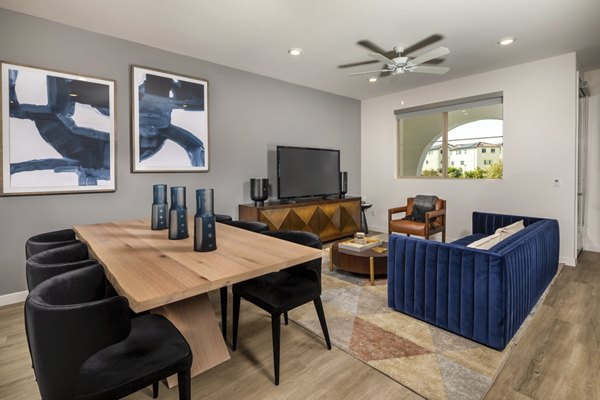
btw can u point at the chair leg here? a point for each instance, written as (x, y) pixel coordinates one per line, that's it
(223, 292)
(155, 390)
(184, 381)
(236, 319)
(285, 318)
(321, 314)
(276, 327)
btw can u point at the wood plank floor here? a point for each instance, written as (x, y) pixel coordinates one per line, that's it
(308, 369)
(559, 355)
(557, 358)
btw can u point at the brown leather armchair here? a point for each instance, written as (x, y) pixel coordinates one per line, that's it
(435, 221)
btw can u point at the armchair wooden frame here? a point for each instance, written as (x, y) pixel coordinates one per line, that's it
(430, 216)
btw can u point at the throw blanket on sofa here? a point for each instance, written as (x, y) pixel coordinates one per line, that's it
(421, 205)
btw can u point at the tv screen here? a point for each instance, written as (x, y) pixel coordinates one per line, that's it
(306, 172)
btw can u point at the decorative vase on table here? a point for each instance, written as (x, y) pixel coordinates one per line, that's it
(205, 235)
(259, 191)
(160, 208)
(178, 226)
(343, 184)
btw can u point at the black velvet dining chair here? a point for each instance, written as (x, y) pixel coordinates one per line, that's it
(254, 226)
(49, 240)
(85, 346)
(54, 261)
(279, 292)
(223, 218)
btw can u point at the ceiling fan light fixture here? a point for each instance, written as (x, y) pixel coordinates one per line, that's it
(372, 79)
(507, 41)
(295, 51)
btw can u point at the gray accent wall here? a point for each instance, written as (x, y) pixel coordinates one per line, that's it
(249, 116)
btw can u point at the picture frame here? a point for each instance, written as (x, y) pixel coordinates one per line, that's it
(58, 132)
(169, 122)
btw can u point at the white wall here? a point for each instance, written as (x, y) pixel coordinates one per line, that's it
(540, 106)
(591, 232)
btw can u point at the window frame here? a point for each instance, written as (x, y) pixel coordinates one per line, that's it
(444, 108)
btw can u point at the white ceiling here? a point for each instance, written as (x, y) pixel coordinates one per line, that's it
(255, 35)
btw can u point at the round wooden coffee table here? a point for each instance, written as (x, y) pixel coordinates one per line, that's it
(361, 262)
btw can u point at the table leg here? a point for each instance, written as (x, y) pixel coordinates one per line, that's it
(195, 319)
(331, 258)
(372, 270)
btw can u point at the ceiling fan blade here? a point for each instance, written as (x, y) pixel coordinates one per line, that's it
(367, 72)
(430, 70)
(440, 51)
(435, 61)
(382, 58)
(423, 43)
(367, 44)
(356, 64)
(385, 73)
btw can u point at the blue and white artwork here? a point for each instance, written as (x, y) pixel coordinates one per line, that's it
(58, 132)
(170, 122)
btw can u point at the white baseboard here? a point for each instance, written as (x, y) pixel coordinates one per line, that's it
(13, 298)
(568, 261)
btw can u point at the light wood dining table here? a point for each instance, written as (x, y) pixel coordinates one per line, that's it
(169, 278)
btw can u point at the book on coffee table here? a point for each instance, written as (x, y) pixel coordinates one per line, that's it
(352, 245)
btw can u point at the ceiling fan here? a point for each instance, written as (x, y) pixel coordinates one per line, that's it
(397, 61)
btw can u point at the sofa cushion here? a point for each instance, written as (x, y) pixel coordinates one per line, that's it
(511, 229)
(468, 239)
(486, 242)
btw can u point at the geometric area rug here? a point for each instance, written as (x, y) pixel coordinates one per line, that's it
(430, 361)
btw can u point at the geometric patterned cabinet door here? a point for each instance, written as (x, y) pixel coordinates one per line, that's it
(330, 219)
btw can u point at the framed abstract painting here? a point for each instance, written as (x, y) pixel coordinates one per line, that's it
(169, 122)
(58, 132)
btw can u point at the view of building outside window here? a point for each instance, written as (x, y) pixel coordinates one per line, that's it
(474, 144)
(474, 152)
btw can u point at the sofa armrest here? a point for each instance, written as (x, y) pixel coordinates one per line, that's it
(456, 288)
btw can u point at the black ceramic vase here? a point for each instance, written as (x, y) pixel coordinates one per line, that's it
(343, 184)
(205, 236)
(160, 208)
(178, 226)
(259, 191)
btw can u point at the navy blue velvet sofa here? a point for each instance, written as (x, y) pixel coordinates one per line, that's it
(483, 295)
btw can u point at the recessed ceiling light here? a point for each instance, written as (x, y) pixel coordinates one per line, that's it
(373, 79)
(506, 41)
(295, 51)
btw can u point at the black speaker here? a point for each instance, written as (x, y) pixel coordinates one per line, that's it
(343, 184)
(259, 191)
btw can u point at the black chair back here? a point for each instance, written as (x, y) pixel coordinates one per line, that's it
(254, 226)
(49, 240)
(69, 320)
(223, 218)
(54, 261)
(306, 239)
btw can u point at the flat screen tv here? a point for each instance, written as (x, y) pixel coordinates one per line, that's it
(307, 172)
